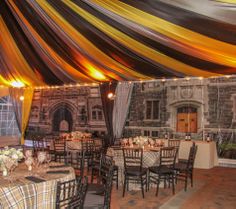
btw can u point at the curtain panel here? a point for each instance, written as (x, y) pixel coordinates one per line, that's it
(107, 104)
(21, 100)
(121, 107)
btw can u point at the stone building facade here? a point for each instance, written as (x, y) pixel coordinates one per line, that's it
(196, 106)
(176, 107)
(66, 109)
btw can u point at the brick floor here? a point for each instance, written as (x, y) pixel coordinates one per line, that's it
(213, 189)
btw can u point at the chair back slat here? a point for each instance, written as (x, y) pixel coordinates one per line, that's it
(133, 157)
(59, 146)
(168, 156)
(174, 143)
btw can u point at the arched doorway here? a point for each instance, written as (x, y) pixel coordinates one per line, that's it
(186, 119)
(62, 116)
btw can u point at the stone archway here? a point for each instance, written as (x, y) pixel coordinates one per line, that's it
(62, 114)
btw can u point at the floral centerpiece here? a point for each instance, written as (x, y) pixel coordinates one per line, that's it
(9, 158)
(80, 135)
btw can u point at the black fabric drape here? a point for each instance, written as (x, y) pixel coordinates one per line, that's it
(107, 105)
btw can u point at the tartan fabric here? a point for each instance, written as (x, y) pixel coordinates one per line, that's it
(150, 158)
(31, 195)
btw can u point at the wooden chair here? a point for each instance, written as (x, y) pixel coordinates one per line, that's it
(99, 194)
(88, 147)
(71, 194)
(165, 171)
(76, 160)
(184, 168)
(60, 151)
(174, 143)
(133, 168)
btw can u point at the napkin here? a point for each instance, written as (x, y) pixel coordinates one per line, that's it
(35, 179)
(58, 172)
(58, 166)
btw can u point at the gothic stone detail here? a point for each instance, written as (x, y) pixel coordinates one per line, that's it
(67, 104)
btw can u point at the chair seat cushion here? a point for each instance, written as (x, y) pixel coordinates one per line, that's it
(94, 197)
(183, 161)
(96, 189)
(135, 171)
(182, 167)
(161, 170)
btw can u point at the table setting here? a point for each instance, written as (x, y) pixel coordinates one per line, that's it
(32, 182)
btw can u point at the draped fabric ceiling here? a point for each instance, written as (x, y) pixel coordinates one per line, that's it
(53, 42)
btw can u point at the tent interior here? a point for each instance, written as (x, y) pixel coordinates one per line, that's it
(118, 69)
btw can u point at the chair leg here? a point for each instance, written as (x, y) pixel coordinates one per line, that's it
(191, 177)
(186, 181)
(158, 182)
(142, 186)
(173, 184)
(92, 173)
(146, 181)
(124, 186)
(117, 182)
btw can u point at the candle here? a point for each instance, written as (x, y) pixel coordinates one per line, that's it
(4, 173)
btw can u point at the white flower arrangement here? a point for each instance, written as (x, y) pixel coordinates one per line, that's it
(9, 157)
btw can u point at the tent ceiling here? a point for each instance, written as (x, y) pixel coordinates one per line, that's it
(55, 42)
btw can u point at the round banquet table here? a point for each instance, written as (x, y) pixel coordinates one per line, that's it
(33, 189)
(151, 157)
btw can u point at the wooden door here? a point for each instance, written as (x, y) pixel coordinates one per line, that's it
(187, 122)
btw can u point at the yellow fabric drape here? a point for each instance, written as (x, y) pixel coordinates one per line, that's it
(26, 107)
(139, 47)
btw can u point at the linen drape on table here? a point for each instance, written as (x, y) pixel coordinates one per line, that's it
(121, 107)
(107, 104)
(21, 107)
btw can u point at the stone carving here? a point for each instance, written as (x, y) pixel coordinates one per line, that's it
(186, 92)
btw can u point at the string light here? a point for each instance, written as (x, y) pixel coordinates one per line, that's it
(19, 84)
(22, 98)
(110, 95)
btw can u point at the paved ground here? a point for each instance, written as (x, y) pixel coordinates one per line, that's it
(213, 189)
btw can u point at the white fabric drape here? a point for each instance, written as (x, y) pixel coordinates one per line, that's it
(121, 106)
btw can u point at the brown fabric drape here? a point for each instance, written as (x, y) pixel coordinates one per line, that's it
(108, 104)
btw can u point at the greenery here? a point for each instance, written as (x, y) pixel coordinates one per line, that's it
(227, 146)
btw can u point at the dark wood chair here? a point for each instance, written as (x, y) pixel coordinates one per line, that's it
(71, 194)
(88, 147)
(99, 194)
(96, 162)
(174, 143)
(60, 152)
(76, 160)
(184, 168)
(40, 145)
(165, 171)
(133, 168)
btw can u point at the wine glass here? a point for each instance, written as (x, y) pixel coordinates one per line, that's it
(41, 157)
(48, 158)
